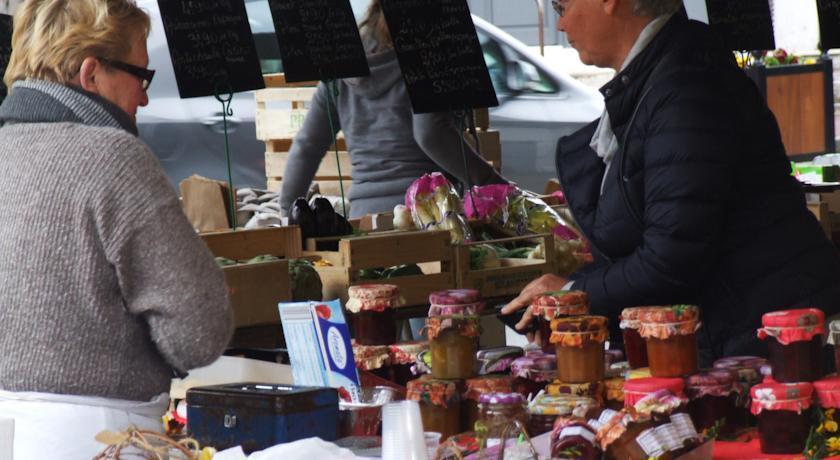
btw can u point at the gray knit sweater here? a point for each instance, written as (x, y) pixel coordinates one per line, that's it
(104, 286)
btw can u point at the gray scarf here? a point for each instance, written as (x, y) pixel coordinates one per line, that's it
(39, 101)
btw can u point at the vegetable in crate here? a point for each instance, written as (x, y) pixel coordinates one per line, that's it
(434, 205)
(483, 256)
(306, 283)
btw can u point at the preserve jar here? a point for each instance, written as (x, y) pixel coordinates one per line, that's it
(556, 304)
(712, 396)
(497, 414)
(592, 390)
(404, 358)
(453, 341)
(636, 390)
(834, 340)
(614, 393)
(748, 369)
(783, 416)
(618, 436)
(497, 360)
(373, 358)
(795, 343)
(828, 392)
(439, 404)
(670, 336)
(579, 343)
(371, 308)
(545, 409)
(635, 347)
(532, 372)
(473, 390)
(455, 302)
(574, 439)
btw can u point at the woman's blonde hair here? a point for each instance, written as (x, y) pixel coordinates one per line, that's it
(374, 24)
(51, 38)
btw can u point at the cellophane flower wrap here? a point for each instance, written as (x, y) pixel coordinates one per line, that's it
(434, 205)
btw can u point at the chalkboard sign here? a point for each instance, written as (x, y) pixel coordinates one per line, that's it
(829, 13)
(439, 54)
(5, 49)
(211, 45)
(318, 39)
(743, 24)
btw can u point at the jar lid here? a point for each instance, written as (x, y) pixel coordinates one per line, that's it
(658, 402)
(648, 385)
(499, 359)
(532, 361)
(669, 321)
(828, 392)
(615, 388)
(560, 405)
(579, 331)
(794, 397)
(373, 297)
(630, 317)
(505, 399)
(478, 386)
(462, 309)
(454, 297)
(561, 299)
(594, 390)
(613, 356)
(433, 391)
(371, 357)
(467, 326)
(788, 326)
(550, 312)
(406, 352)
(715, 382)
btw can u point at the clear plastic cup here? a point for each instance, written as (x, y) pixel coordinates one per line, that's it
(432, 440)
(402, 432)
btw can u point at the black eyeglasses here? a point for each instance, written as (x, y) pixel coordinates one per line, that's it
(560, 6)
(145, 75)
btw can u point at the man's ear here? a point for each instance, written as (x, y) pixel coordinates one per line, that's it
(611, 6)
(91, 68)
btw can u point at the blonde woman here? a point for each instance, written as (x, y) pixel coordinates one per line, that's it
(389, 146)
(105, 289)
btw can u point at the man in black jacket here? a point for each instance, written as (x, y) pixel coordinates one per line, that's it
(683, 187)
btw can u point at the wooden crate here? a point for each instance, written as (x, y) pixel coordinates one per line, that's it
(432, 250)
(511, 277)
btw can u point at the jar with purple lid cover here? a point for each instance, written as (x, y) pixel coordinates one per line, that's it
(498, 411)
(532, 372)
(712, 396)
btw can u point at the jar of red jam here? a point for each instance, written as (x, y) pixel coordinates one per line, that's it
(748, 370)
(474, 389)
(614, 393)
(794, 339)
(574, 439)
(579, 342)
(557, 304)
(834, 340)
(545, 410)
(671, 341)
(404, 358)
(636, 390)
(591, 390)
(635, 347)
(440, 404)
(373, 358)
(532, 372)
(497, 413)
(455, 302)
(784, 419)
(712, 396)
(371, 308)
(453, 341)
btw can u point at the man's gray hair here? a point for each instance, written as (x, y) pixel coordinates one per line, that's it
(656, 8)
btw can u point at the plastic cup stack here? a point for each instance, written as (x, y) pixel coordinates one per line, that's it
(432, 440)
(402, 432)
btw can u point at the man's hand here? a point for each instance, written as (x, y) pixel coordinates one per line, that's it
(533, 289)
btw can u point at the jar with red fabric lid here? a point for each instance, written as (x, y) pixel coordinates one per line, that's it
(440, 404)
(375, 359)
(574, 439)
(794, 338)
(371, 308)
(834, 340)
(474, 388)
(636, 390)
(497, 413)
(404, 360)
(712, 396)
(532, 372)
(828, 392)
(635, 347)
(579, 342)
(453, 341)
(784, 420)
(670, 335)
(557, 304)
(455, 302)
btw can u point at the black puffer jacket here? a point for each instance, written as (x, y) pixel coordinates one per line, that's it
(721, 222)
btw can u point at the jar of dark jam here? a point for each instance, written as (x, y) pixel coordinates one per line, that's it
(748, 370)
(440, 404)
(532, 372)
(579, 343)
(545, 410)
(635, 347)
(794, 339)
(557, 304)
(574, 439)
(712, 396)
(784, 419)
(591, 390)
(375, 359)
(453, 341)
(671, 341)
(404, 360)
(474, 389)
(371, 308)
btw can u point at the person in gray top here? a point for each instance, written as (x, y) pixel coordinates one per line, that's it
(389, 146)
(106, 291)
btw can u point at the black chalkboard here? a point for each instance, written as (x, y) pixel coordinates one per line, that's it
(318, 39)
(439, 54)
(829, 14)
(743, 24)
(5, 49)
(211, 45)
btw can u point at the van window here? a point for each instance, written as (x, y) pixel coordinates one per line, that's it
(512, 72)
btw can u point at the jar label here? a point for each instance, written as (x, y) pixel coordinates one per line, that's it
(667, 433)
(606, 416)
(684, 426)
(649, 442)
(595, 424)
(577, 431)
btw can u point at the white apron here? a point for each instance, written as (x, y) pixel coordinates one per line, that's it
(64, 426)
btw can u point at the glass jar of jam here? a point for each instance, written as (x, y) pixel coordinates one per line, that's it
(373, 358)
(618, 436)
(464, 302)
(593, 390)
(636, 390)
(532, 372)
(834, 340)
(404, 358)
(670, 336)
(635, 347)
(794, 339)
(440, 404)
(473, 390)
(614, 393)
(579, 343)
(453, 341)
(497, 413)
(545, 410)
(574, 439)
(371, 308)
(748, 370)
(828, 392)
(557, 304)
(711, 399)
(783, 416)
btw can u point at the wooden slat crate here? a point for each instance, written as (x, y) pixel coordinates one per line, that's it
(432, 250)
(511, 277)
